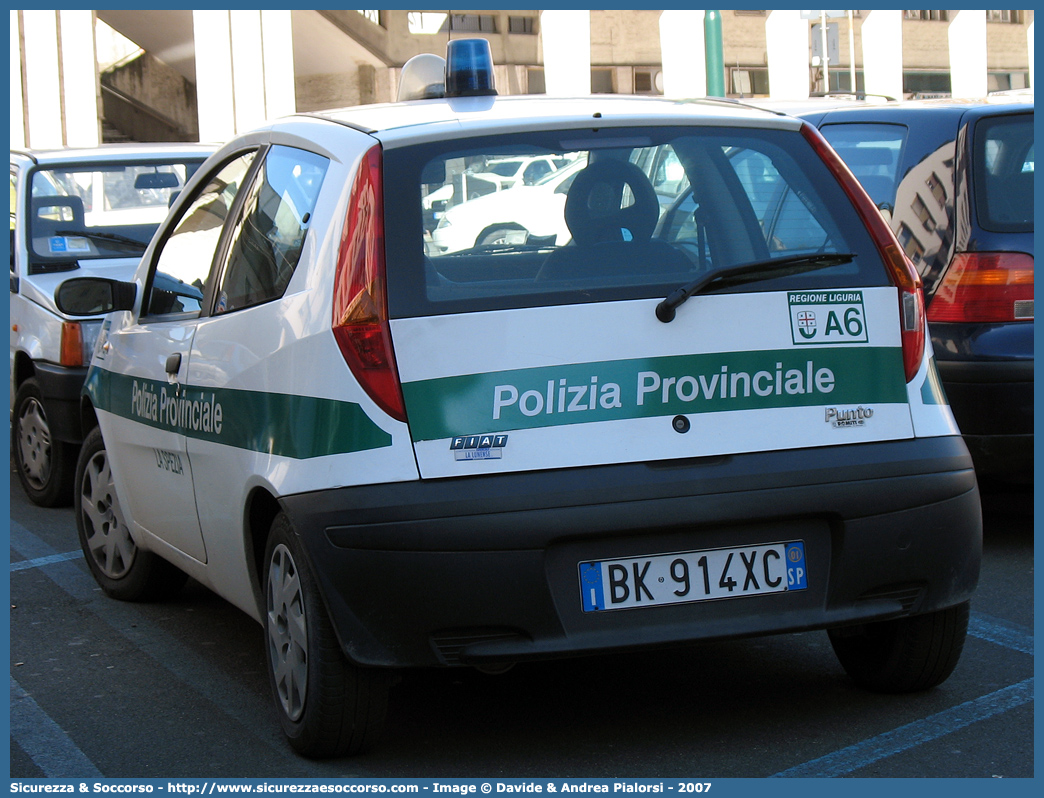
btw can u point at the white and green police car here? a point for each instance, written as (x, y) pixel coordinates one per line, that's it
(704, 415)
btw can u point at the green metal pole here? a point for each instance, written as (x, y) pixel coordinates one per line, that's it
(715, 54)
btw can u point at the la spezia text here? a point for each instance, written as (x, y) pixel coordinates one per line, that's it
(563, 396)
(198, 412)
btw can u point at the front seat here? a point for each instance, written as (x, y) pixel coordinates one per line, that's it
(611, 238)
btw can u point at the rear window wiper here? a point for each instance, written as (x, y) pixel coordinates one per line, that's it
(110, 238)
(759, 270)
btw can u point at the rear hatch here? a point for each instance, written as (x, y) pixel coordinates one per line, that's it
(556, 350)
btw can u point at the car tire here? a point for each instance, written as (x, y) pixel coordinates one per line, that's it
(327, 706)
(503, 235)
(122, 569)
(45, 466)
(904, 655)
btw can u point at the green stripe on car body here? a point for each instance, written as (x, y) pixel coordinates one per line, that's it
(285, 425)
(649, 387)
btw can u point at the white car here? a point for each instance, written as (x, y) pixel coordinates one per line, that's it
(73, 212)
(509, 217)
(685, 424)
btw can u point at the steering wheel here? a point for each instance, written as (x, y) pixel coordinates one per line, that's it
(594, 210)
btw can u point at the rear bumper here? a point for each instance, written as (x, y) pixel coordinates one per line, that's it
(485, 569)
(993, 405)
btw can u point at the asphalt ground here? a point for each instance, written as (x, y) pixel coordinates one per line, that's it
(103, 689)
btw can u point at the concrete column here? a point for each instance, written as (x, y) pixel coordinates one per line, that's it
(1029, 43)
(215, 101)
(244, 70)
(883, 53)
(786, 34)
(565, 37)
(967, 34)
(43, 89)
(53, 59)
(683, 54)
(17, 118)
(277, 42)
(80, 79)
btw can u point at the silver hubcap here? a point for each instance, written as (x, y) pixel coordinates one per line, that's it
(108, 539)
(34, 443)
(287, 632)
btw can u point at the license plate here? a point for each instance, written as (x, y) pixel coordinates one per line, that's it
(689, 576)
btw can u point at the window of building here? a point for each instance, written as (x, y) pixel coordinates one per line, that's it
(522, 25)
(921, 212)
(935, 186)
(473, 23)
(1013, 17)
(373, 16)
(926, 84)
(927, 16)
(648, 80)
(749, 81)
(602, 81)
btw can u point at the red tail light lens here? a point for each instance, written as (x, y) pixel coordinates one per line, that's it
(900, 269)
(985, 287)
(360, 309)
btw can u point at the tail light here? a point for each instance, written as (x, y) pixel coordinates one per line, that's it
(901, 271)
(360, 309)
(985, 287)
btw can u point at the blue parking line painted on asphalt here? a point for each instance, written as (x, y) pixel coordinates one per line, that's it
(999, 631)
(24, 565)
(860, 755)
(44, 741)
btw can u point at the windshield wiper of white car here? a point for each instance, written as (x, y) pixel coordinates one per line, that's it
(758, 270)
(109, 238)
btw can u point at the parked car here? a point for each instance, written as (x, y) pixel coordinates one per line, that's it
(955, 178)
(678, 426)
(73, 212)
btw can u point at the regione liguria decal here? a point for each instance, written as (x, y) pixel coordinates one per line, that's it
(827, 317)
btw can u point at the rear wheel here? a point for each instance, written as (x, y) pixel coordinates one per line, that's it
(904, 655)
(123, 570)
(45, 466)
(327, 706)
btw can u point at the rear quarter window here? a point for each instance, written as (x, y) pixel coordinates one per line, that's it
(1002, 169)
(627, 214)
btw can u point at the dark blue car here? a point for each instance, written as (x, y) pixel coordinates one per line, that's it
(956, 180)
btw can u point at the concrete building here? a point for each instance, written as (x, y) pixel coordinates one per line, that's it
(82, 77)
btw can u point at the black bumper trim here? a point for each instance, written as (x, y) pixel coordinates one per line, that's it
(402, 565)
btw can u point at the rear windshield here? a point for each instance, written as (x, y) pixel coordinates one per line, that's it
(100, 210)
(622, 214)
(1003, 173)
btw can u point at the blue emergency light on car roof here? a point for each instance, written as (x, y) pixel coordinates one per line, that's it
(467, 71)
(469, 68)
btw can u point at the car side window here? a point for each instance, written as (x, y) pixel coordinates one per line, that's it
(266, 242)
(182, 266)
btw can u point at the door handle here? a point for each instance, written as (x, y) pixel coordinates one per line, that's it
(173, 366)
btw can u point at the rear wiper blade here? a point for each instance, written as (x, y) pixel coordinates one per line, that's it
(763, 269)
(111, 238)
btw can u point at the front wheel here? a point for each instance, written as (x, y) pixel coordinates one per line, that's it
(123, 570)
(502, 235)
(904, 655)
(45, 465)
(327, 706)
